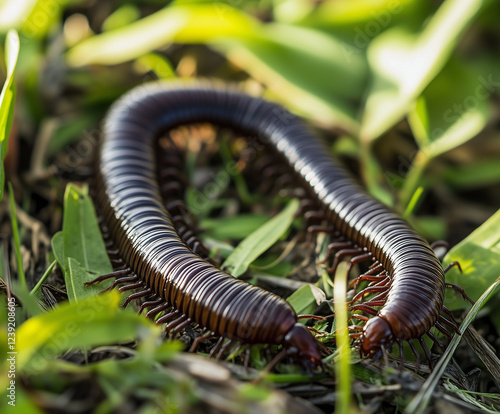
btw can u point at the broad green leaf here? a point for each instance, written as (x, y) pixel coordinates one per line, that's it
(233, 227)
(447, 116)
(260, 240)
(84, 253)
(403, 63)
(188, 23)
(306, 299)
(7, 97)
(479, 257)
(92, 321)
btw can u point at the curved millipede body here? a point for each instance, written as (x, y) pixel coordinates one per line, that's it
(405, 271)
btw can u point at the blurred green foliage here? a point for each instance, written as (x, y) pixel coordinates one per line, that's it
(362, 68)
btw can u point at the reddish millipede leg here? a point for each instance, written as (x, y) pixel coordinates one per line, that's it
(216, 347)
(340, 255)
(442, 329)
(168, 317)
(452, 265)
(121, 280)
(459, 290)
(369, 276)
(150, 303)
(131, 287)
(364, 308)
(176, 327)
(136, 295)
(115, 274)
(358, 316)
(367, 291)
(201, 338)
(223, 350)
(155, 311)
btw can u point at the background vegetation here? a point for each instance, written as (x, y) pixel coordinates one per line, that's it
(406, 92)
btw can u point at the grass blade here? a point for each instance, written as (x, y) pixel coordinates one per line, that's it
(84, 253)
(17, 241)
(7, 98)
(260, 240)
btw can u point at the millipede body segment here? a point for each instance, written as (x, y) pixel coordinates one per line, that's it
(406, 271)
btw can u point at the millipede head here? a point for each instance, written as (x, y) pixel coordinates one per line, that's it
(377, 334)
(300, 344)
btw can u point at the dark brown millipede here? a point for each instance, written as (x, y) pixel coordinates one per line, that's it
(160, 252)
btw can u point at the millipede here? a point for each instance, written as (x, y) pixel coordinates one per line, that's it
(166, 264)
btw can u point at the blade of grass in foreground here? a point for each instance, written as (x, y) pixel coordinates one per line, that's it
(343, 375)
(423, 397)
(17, 241)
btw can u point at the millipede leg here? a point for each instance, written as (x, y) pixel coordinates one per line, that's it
(115, 274)
(224, 348)
(340, 255)
(135, 296)
(367, 291)
(453, 326)
(436, 341)
(155, 311)
(364, 308)
(451, 266)
(178, 325)
(442, 329)
(216, 347)
(150, 303)
(460, 290)
(128, 279)
(426, 351)
(415, 352)
(168, 317)
(131, 286)
(246, 363)
(200, 339)
(358, 316)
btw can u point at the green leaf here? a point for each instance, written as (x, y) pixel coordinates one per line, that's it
(478, 173)
(479, 257)
(84, 252)
(233, 227)
(57, 247)
(92, 321)
(403, 64)
(7, 97)
(260, 240)
(306, 299)
(189, 23)
(156, 63)
(447, 116)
